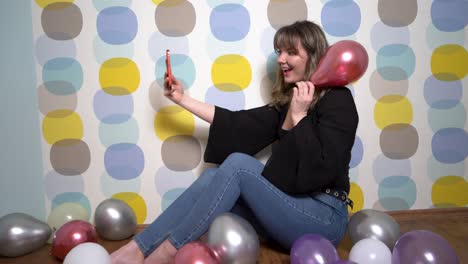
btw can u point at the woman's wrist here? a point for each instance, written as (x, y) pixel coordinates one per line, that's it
(292, 120)
(297, 117)
(180, 102)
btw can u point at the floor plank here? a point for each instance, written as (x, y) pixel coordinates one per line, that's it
(450, 223)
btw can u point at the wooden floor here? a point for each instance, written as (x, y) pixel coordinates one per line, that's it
(452, 224)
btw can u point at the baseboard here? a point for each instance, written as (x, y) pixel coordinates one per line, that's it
(459, 212)
(414, 214)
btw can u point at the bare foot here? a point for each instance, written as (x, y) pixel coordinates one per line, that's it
(164, 254)
(128, 254)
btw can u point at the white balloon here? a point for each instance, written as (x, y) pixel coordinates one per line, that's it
(370, 251)
(88, 253)
(64, 213)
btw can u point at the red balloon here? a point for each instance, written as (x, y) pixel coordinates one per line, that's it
(70, 235)
(344, 62)
(196, 252)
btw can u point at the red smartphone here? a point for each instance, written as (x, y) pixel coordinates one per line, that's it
(168, 67)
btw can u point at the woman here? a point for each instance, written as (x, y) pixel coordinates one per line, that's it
(302, 188)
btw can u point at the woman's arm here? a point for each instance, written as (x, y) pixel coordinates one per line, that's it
(176, 94)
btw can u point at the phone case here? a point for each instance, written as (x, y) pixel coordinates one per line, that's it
(168, 67)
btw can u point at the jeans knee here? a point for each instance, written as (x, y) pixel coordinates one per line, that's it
(237, 158)
(242, 162)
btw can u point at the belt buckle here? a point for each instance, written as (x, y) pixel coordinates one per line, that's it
(344, 196)
(350, 203)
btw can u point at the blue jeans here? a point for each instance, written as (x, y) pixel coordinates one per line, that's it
(237, 186)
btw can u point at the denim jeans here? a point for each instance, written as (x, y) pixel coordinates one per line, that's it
(237, 186)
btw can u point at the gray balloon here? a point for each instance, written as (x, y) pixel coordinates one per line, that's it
(370, 223)
(114, 220)
(21, 234)
(233, 239)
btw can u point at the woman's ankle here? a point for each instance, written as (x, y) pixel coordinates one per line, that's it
(164, 253)
(129, 253)
(169, 247)
(134, 246)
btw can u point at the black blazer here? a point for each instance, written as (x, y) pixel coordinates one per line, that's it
(310, 157)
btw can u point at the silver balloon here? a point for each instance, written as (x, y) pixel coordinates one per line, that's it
(114, 220)
(370, 223)
(233, 239)
(21, 234)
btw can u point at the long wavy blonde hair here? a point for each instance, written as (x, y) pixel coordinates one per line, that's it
(312, 38)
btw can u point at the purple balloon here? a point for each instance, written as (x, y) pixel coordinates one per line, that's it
(313, 249)
(343, 261)
(422, 246)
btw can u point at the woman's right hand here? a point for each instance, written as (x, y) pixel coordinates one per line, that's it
(175, 92)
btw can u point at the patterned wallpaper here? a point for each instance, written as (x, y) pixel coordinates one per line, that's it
(107, 130)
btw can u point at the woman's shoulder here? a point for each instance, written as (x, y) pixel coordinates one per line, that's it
(340, 90)
(340, 93)
(339, 100)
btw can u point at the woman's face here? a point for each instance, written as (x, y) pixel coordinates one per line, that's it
(293, 63)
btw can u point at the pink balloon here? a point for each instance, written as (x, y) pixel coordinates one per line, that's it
(71, 234)
(196, 252)
(344, 62)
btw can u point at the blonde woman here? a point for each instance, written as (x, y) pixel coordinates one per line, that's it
(304, 186)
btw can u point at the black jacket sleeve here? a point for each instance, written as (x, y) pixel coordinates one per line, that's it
(317, 151)
(246, 131)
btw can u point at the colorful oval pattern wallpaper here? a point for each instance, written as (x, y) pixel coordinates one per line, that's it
(108, 131)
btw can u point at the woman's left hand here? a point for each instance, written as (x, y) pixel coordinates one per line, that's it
(303, 94)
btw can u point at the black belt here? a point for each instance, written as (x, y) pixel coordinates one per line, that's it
(342, 195)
